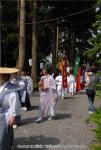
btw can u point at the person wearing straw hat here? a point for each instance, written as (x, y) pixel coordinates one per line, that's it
(18, 81)
(8, 106)
(90, 91)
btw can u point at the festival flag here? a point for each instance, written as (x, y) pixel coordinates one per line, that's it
(78, 80)
(76, 66)
(64, 73)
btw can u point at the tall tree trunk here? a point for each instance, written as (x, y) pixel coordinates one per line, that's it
(0, 30)
(18, 25)
(57, 40)
(34, 45)
(22, 35)
(54, 46)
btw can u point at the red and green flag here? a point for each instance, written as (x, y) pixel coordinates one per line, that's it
(76, 66)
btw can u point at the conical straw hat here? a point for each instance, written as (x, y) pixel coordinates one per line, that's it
(5, 70)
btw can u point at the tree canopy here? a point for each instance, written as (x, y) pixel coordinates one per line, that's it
(73, 18)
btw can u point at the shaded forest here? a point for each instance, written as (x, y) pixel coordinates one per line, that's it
(32, 29)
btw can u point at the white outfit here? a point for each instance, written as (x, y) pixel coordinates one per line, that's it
(47, 97)
(21, 83)
(29, 84)
(71, 83)
(8, 108)
(12, 100)
(18, 108)
(27, 91)
(60, 90)
(68, 69)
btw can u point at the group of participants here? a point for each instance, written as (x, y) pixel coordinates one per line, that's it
(15, 92)
(51, 89)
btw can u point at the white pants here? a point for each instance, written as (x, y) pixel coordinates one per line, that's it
(60, 91)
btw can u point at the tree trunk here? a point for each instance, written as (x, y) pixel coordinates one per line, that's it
(57, 40)
(22, 35)
(0, 30)
(54, 46)
(34, 45)
(18, 25)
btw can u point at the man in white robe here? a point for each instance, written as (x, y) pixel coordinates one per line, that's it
(71, 84)
(29, 88)
(47, 97)
(8, 107)
(59, 87)
(13, 79)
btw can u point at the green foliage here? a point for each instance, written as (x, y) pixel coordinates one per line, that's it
(46, 10)
(96, 39)
(96, 118)
(98, 89)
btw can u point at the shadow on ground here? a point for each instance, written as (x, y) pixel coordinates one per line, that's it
(31, 142)
(63, 116)
(69, 97)
(57, 117)
(27, 121)
(34, 107)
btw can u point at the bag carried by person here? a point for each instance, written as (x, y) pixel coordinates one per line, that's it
(90, 91)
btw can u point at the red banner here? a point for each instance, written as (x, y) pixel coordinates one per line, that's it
(78, 80)
(64, 74)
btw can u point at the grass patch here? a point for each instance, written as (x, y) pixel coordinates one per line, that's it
(98, 90)
(96, 146)
(96, 118)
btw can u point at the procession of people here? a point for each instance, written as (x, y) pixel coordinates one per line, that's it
(16, 89)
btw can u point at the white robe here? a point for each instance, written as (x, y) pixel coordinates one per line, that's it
(29, 84)
(71, 83)
(9, 108)
(14, 103)
(60, 90)
(48, 97)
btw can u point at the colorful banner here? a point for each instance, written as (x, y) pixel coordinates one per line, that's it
(78, 80)
(64, 74)
(76, 66)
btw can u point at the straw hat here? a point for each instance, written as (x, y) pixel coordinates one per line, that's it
(5, 70)
(90, 73)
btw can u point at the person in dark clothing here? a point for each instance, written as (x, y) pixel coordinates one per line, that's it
(90, 91)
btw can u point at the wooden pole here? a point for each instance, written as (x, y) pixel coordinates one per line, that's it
(34, 45)
(57, 41)
(0, 30)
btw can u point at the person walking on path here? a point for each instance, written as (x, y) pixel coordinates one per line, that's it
(47, 88)
(14, 80)
(90, 91)
(8, 106)
(71, 83)
(28, 88)
(59, 87)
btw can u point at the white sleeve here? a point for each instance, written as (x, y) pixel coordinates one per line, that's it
(30, 86)
(52, 83)
(21, 84)
(12, 100)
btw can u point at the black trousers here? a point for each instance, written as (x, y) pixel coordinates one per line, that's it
(10, 137)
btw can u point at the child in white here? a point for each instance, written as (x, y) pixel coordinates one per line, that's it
(71, 83)
(60, 90)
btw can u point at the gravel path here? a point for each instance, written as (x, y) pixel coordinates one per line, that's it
(68, 131)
